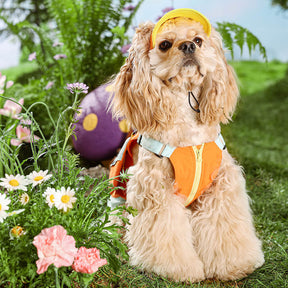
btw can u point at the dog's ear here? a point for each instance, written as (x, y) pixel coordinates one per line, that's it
(139, 95)
(219, 93)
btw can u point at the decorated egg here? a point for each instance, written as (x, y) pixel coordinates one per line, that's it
(97, 136)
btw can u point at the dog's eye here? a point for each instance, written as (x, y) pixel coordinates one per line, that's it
(198, 41)
(165, 45)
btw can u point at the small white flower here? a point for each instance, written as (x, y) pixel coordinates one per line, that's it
(50, 194)
(4, 202)
(38, 177)
(11, 182)
(64, 199)
(24, 198)
(15, 212)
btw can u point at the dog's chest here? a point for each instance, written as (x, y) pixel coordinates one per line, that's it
(187, 130)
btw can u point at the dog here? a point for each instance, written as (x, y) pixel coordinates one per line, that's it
(175, 89)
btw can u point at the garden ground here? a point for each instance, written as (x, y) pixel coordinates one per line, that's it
(257, 138)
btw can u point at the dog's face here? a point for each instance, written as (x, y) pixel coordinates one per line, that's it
(182, 49)
(183, 59)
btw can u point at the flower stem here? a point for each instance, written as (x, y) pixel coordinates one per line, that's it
(85, 279)
(57, 283)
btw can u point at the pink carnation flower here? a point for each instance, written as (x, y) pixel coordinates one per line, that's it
(88, 260)
(54, 246)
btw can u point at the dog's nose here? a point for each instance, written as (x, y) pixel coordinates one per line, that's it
(187, 47)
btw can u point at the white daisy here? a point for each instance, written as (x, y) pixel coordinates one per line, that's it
(4, 202)
(49, 194)
(15, 212)
(64, 199)
(38, 177)
(24, 198)
(11, 182)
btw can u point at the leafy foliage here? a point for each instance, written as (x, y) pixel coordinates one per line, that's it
(282, 3)
(89, 42)
(85, 28)
(32, 11)
(238, 35)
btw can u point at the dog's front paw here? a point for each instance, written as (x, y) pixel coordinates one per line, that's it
(194, 274)
(189, 273)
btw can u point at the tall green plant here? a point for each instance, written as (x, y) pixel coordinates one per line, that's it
(86, 29)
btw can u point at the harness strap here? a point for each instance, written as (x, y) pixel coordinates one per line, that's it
(155, 146)
(163, 150)
(220, 142)
(120, 155)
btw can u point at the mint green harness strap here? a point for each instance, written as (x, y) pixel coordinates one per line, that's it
(155, 146)
(163, 150)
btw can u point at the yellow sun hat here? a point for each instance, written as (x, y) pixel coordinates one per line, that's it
(182, 12)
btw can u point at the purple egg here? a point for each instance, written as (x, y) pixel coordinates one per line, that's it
(97, 135)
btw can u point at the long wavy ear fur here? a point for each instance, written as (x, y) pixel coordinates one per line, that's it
(220, 92)
(139, 96)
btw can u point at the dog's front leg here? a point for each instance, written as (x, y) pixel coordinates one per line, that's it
(225, 237)
(160, 237)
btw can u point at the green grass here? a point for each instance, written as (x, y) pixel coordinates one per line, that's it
(13, 73)
(258, 139)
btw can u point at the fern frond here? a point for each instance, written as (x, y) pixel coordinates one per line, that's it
(234, 34)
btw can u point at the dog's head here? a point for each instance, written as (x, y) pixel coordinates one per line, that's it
(181, 54)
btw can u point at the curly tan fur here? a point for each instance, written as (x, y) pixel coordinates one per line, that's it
(215, 236)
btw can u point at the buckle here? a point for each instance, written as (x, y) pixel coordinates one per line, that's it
(161, 150)
(139, 139)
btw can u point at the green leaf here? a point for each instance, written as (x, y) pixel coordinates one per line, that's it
(119, 31)
(234, 34)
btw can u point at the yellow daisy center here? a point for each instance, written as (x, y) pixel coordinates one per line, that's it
(14, 182)
(65, 199)
(52, 198)
(25, 198)
(38, 178)
(0, 207)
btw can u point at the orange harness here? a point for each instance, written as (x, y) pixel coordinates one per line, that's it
(195, 167)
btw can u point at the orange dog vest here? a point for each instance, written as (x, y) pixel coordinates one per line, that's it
(195, 167)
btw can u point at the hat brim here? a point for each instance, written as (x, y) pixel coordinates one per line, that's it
(183, 12)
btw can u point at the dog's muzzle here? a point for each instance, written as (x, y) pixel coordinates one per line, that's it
(188, 48)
